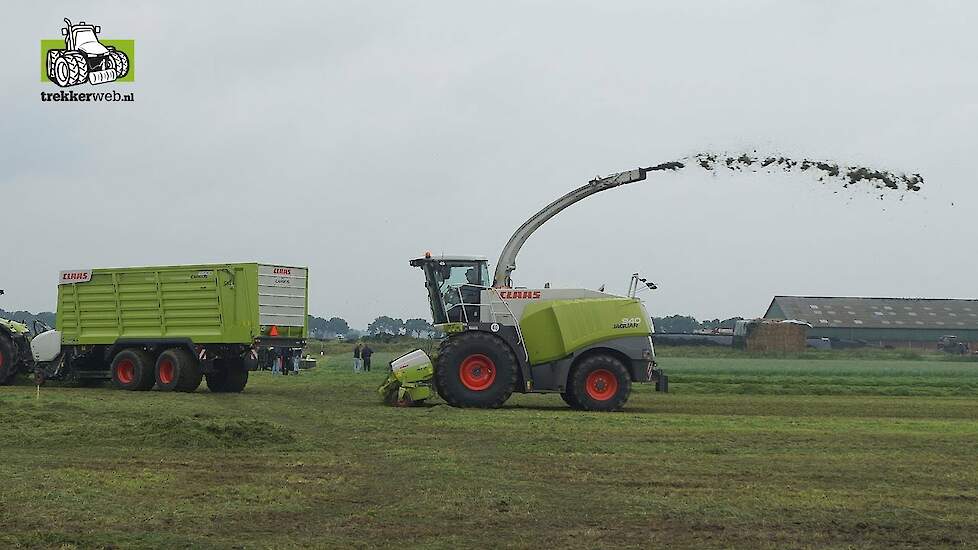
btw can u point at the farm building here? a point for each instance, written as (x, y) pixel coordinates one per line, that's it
(908, 323)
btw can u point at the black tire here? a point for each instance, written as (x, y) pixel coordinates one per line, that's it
(475, 369)
(568, 398)
(231, 376)
(599, 383)
(52, 57)
(133, 369)
(177, 370)
(8, 366)
(70, 69)
(120, 62)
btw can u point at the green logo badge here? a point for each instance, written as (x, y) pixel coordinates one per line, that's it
(82, 57)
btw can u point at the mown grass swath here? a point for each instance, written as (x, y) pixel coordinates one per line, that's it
(743, 452)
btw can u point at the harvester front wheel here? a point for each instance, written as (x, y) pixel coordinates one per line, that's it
(7, 367)
(475, 369)
(599, 383)
(132, 369)
(177, 370)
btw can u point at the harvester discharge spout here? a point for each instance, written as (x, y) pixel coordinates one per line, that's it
(507, 259)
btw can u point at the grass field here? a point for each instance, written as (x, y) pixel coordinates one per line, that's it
(766, 453)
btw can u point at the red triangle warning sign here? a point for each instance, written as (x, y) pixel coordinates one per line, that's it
(273, 331)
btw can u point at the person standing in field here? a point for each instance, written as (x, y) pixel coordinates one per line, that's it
(276, 362)
(357, 361)
(365, 353)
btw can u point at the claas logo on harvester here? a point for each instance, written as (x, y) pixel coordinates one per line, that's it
(520, 294)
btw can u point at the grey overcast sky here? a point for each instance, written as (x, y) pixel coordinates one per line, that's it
(352, 136)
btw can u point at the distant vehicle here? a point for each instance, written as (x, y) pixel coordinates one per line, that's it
(15, 351)
(950, 344)
(172, 326)
(340, 337)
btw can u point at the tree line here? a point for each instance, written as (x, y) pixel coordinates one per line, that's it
(685, 324)
(384, 324)
(320, 327)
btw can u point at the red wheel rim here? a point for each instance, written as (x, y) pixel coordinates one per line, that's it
(125, 371)
(166, 371)
(477, 372)
(601, 385)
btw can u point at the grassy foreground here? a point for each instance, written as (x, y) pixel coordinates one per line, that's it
(743, 452)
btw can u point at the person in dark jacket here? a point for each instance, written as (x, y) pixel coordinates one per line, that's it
(357, 362)
(365, 354)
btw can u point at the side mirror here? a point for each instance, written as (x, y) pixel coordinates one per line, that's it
(98, 29)
(64, 32)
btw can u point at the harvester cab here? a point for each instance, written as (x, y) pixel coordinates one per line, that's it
(587, 345)
(454, 286)
(85, 58)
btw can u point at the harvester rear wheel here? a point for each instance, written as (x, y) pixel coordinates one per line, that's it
(132, 369)
(230, 377)
(599, 383)
(475, 369)
(7, 367)
(178, 370)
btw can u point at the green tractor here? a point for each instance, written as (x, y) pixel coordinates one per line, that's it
(15, 350)
(586, 345)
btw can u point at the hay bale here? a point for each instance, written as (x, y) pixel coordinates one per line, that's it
(773, 336)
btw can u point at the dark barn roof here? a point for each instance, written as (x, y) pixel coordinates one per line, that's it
(877, 313)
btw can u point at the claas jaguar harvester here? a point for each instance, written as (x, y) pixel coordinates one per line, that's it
(171, 326)
(587, 345)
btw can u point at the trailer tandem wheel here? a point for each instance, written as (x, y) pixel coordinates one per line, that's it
(177, 370)
(133, 369)
(231, 376)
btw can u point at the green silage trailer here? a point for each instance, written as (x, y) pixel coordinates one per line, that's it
(172, 326)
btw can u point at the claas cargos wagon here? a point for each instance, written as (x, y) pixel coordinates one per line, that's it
(172, 326)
